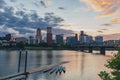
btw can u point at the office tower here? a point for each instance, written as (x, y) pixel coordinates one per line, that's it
(32, 40)
(71, 41)
(82, 37)
(38, 36)
(99, 40)
(76, 36)
(88, 39)
(81, 33)
(59, 39)
(21, 39)
(49, 35)
(8, 37)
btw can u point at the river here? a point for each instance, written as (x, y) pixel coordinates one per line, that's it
(82, 66)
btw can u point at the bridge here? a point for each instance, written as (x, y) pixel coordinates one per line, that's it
(90, 49)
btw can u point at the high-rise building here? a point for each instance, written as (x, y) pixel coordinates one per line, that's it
(99, 40)
(49, 35)
(82, 37)
(38, 36)
(81, 33)
(32, 40)
(8, 37)
(88, 39)
(76, 36)
(71, 41)
(21, 39)
(59, 39)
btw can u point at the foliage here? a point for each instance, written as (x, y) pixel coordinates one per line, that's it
(114, 65)
(1, 78)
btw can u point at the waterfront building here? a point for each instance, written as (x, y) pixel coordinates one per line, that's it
(88, 39)
(49, 35)
(84, 38)
(21, 39)
(38, 36)
(59, 39)
(112, 42)
(32, 40)
(99, 40)
(117, 42)
(5, 43)
(71, 41)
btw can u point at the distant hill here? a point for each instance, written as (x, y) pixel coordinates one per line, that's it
(112, 37)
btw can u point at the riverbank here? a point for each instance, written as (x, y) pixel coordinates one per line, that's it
(35, 48)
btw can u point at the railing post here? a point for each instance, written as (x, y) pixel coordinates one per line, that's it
(90, 49)
(19, 60)
(25, 61)
(102, 50)
(82, 48)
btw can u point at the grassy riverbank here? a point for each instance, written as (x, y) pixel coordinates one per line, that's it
(38, 48)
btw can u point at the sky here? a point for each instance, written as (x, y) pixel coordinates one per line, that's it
(95, 17)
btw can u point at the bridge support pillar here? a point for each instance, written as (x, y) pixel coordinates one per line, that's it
(90, 49)
(102, 50)
(82, 49)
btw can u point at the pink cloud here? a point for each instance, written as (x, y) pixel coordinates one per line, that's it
(106, 7)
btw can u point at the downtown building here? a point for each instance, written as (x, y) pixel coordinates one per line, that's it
(84, 38)
(38, 36)
(99, 40)
(49, 36)
(59, 39)
(71, 41)
(32, 40)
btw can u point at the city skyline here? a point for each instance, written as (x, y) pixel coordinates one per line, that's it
(67, 16)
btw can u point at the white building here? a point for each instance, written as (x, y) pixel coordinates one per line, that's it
(21, 39)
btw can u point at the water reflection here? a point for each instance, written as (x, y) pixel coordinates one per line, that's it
(49, 57)
(82, 66)
(38, 59)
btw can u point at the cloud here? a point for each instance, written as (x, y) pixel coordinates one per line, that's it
(43, 4)
(112, 22)
(36, 4)
(2, 3)
(104, 29)
(13, 0)
(62, 31)
(106, 7)
(115, 21)
(22, 23)
(5, 30)
(61, 8)
(84, 9)
(46, 3)
(106, 24)
(100, 31)
(65, 25)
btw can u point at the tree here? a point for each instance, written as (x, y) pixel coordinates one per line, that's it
(114, 65)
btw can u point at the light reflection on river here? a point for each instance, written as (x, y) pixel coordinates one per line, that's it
(82, 66)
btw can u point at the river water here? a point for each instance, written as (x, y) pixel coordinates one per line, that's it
(82, 66)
